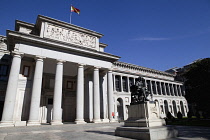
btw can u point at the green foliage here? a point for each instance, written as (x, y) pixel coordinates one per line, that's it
(198, 84)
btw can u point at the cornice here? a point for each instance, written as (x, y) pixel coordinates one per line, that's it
(41, 18)
(18, 23)
(140, 68)
(21, 37)
(103, 45)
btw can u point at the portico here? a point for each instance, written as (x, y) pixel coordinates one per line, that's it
(57, 69)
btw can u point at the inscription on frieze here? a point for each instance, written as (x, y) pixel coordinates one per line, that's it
(69, 36)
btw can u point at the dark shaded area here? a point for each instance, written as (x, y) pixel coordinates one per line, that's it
(102, 132)
(194, 132)
(185, 132)
(197, 85)
(189, 122)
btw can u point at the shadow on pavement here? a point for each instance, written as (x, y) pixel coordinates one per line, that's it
(194, 132)
(102, 132)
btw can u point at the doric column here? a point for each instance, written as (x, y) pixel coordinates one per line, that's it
(172, 88)
(161, 90)
(134, 80)
(156, 88)
(57, 98)
(169, 89)
(9, 103)
(151, 87)
(34, 116)
(80, 96)
(145, 82)
(164, 86)
(110, 96)
(175, 90)
(96, 96)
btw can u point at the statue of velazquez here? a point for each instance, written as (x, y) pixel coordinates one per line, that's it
(139, 93)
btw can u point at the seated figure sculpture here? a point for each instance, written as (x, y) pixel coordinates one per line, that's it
(139, 93)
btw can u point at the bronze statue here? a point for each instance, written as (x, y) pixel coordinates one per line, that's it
(139, 92)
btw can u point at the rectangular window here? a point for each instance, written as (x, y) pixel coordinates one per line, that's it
(158, 88)
(149, 86)
(52, 83)
(153, 87)
(131, 81)
(26, 71)
(50, 101)
(124, 82)
(167, 89)
(117, 83)
(69, 85)
(163, 89)
(4, 72)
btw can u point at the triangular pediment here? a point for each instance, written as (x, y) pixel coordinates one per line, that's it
(68, 33)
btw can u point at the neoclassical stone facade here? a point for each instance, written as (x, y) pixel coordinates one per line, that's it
(168, 93)
(55, 72)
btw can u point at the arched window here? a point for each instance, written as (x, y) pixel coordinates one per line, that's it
(166, 107)
(174, 108)
(182, 108)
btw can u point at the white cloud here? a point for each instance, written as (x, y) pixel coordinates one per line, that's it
(152, 38)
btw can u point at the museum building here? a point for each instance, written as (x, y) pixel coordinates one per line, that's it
(55, 72)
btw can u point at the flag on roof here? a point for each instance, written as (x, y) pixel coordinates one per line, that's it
(73, 9)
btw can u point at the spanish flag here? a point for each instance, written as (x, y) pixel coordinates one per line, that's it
(73, 9)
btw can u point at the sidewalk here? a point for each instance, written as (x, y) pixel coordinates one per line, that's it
(88, 131)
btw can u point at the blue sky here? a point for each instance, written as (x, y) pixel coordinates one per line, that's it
(158, 34)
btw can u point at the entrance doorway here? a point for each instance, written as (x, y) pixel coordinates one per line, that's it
(120, 109)
(49, 109)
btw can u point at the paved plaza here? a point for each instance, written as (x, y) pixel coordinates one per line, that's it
(88, 131)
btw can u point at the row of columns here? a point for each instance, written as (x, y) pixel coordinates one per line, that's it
(8, 111)
(161, 88)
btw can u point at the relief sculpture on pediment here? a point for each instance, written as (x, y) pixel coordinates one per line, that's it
(70, 36)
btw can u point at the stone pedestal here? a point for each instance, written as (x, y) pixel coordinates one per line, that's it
(144, 123)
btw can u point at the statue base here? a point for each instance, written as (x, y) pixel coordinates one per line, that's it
(144, 123)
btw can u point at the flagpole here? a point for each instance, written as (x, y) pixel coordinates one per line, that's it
(70, 17)
(70, 14)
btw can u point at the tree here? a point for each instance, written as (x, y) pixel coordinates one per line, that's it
(198, 84)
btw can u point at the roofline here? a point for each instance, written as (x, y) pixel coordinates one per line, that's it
(23, 23)
(67, 25)
(143, 68)
(50, 42)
